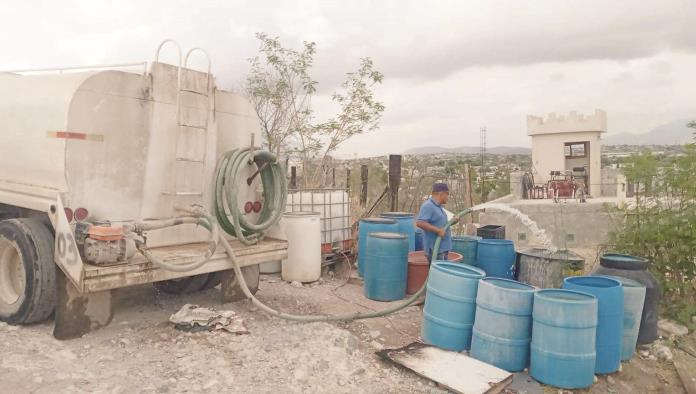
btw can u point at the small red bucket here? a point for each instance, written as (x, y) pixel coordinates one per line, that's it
(418, 269)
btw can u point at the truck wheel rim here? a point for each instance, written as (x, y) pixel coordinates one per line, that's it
(12, 275)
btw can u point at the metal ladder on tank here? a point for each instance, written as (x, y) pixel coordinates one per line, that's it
(186, 165)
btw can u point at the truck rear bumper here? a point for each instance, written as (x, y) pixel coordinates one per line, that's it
(138, 270)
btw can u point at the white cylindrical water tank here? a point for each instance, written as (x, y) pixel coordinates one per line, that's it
(303, 232)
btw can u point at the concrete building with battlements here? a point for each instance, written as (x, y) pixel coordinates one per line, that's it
(568, 143)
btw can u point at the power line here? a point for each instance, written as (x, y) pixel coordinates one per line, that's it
(483, 162)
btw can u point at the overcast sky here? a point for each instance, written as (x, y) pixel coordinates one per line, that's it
(450, 67)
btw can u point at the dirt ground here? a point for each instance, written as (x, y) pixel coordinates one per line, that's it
(141, 352)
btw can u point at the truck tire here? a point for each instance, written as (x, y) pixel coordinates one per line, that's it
(188, 285)
(213, 280)
(27, 271)
(233, 291)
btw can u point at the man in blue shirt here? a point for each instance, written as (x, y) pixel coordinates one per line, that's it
(432, 220)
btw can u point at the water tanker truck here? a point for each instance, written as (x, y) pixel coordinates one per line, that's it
(113, 177)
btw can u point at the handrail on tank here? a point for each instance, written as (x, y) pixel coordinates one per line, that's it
(73, 68)
(178, 49)
(178, 74)
(207, 82)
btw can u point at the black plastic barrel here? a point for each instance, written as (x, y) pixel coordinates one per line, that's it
(491, 231)
(636, 268)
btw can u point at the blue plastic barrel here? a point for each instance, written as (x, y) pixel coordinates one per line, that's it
(496, 257)
(419, 240)
(450, 305)
(634, 299)
(609, 293)
(407, 225)
(503, 326)
(386, 266)
(466, 245)
(564, 331)
(371, 225)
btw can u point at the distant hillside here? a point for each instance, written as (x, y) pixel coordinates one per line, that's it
(498, 150)
(673, 133)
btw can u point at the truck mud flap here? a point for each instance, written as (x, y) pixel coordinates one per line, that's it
(79, 313)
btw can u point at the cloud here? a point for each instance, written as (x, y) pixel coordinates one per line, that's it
(434, 42)
(450, 66)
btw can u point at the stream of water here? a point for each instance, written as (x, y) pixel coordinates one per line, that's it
(538, 232)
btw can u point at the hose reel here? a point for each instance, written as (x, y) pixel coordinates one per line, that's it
(229, 176)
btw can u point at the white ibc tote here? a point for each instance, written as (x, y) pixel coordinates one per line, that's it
(303, 232)
(333, 207)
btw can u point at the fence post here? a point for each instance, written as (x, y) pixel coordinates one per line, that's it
(363, 185)
(348, 179)
(333, 177)
(293, 177)
(394, 180)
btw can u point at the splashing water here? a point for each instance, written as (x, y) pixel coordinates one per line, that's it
(538, 232)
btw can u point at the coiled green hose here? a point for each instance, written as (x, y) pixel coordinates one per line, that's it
(230, 173)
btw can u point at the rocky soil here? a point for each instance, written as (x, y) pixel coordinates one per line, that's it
(141, 352)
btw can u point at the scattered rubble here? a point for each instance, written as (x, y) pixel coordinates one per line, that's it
(669, 328)
(276, 355)
(661, 352)
(194, 318)
(295, 283)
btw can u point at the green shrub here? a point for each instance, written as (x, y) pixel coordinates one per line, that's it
(662, 226)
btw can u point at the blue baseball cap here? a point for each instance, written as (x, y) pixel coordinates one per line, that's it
(440, 187)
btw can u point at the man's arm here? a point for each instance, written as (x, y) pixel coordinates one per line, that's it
(430, 228)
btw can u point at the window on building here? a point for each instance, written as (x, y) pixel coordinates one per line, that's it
(575, 149)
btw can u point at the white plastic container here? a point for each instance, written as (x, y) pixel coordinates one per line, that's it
(274, 267)
(303, 232)
(270, 267)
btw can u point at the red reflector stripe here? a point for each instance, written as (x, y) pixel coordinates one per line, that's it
(71, 135)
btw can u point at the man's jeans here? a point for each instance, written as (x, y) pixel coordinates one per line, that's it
(440, 256)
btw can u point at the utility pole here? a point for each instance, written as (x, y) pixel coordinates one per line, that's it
(482, 171)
